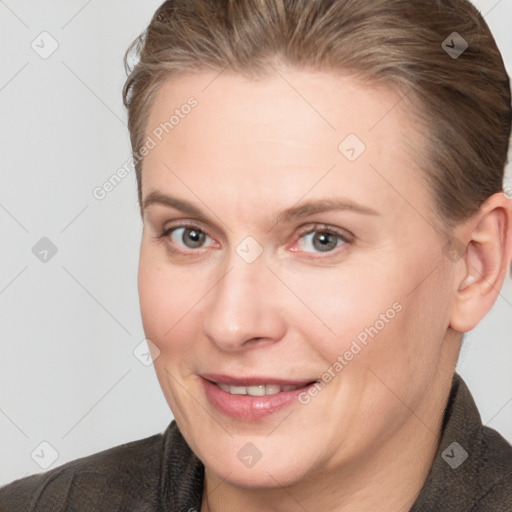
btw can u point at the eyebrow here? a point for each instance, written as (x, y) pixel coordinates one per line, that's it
(173, 202)
(301, 210)
(307, 208)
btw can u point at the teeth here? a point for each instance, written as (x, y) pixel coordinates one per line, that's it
(237, 390)
(272, 389)
(257, 390)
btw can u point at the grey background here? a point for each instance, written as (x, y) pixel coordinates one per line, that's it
(69, 377)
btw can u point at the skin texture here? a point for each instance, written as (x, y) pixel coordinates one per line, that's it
(248, 151)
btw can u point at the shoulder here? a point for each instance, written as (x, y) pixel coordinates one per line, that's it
(472, 470)
(125, 477)
(487, 472)
(494, 473)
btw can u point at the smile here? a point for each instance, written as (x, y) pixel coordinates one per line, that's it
(256, 390)
(251, 399)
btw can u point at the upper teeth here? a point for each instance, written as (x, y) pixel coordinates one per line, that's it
(258, 390)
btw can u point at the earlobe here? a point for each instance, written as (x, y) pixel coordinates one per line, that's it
(485, 263)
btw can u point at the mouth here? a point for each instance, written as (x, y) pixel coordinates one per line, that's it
(251, 399)
(257, 389)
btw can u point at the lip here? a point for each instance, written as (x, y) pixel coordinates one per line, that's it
(247, 407)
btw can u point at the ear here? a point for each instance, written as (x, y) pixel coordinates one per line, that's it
(485, 263)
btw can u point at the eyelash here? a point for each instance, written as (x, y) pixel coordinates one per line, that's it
(315, 228)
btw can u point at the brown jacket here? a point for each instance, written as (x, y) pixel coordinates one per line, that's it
(472, 472)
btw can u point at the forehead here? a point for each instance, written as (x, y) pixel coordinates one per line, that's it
(327, 103)
(291, 132)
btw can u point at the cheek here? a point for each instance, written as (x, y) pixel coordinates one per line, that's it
(345, 306)
(377, 317)
(408, 348)
(167, 300)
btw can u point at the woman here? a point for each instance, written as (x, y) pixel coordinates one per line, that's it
(321, 189)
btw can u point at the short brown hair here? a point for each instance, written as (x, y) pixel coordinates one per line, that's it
(464, 102)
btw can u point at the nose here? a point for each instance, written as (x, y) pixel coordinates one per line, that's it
(242, 310)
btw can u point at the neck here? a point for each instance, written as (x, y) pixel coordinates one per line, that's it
(388, 478)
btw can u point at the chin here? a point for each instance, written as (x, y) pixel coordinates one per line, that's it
(261, 475)
(239, 462)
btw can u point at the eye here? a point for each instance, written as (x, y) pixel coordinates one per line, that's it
(321, 239)
(187, 237)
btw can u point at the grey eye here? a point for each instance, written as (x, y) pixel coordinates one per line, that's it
(321, 241)
(190, 238)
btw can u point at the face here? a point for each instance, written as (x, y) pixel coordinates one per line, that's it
(290, 277)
